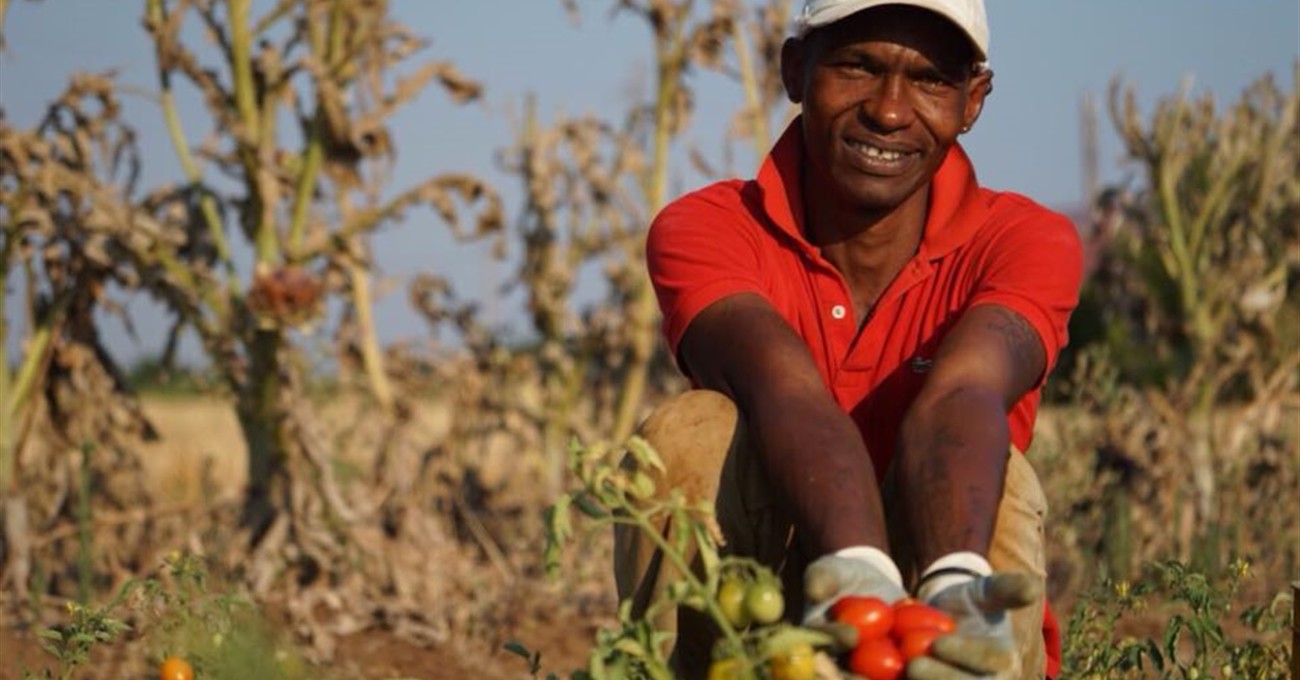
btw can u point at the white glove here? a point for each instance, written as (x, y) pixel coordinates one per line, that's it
(982, 646)
(862, 570)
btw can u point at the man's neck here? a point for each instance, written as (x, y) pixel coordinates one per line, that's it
(868, 249)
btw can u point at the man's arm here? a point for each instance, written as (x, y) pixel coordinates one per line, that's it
(954, 440)
(812, 451)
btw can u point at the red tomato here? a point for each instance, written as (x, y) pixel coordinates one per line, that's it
(877, 659)
(917, 616)
(871, 616)
(917, 643)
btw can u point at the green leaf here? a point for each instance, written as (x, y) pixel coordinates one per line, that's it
(630, 647)
(596, 666)
(49, 634)
(558, 529)
(644, 453)
(681, 532)
(641, 486)
(678, 591)
(589, 507)
(708, 553)
(787, 636)
(558, 518)
(518, 650)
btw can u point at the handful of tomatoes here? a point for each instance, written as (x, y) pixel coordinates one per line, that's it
(889, 636)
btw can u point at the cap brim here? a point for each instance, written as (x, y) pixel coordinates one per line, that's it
(843, 10)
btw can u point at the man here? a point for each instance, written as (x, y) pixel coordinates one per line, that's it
(871, 330)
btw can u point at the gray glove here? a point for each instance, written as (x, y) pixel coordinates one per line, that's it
(982, 646)
(832, 577)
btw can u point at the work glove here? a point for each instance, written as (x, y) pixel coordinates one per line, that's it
(982, 646)
(832, 577)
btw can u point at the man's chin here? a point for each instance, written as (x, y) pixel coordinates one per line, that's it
(873, 198)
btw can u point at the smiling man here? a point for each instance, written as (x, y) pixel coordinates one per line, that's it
(869, 330)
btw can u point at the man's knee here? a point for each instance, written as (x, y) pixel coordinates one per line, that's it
(1018, 540)
(692, 434)
(1018, 545)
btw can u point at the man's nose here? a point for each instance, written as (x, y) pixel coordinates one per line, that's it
(887, 106)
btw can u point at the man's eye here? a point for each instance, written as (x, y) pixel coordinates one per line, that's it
(932, 82)
(857, 67)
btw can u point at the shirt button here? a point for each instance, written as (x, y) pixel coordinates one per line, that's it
(838, 311)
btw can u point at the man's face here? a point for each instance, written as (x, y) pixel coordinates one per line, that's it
(885, 93)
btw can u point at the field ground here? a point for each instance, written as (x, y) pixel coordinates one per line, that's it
(201, 432)
(367, 656)
(200, 436)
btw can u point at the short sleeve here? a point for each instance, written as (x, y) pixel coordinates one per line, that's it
(698, 252)
(1034, 268)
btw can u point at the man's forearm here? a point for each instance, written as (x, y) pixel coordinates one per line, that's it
(952, 462)
(815, 459)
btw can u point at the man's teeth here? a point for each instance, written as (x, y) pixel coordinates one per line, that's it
(877, 152)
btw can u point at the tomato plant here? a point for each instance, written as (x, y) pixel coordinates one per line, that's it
(871, 616)
(876, 659)
(175, 668)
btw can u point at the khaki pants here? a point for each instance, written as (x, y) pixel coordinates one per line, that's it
(701, 440)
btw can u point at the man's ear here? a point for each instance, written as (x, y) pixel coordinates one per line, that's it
(980, 87)
(793, 51)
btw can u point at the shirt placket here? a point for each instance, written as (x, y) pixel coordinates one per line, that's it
(834, 309)
(863, 356)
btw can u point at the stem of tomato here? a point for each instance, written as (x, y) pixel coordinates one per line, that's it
(641, 521)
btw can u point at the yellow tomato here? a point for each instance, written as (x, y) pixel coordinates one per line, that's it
(727, 669)
(795, 663)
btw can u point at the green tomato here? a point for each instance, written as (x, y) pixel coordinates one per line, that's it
(764, 603)
(731, 600)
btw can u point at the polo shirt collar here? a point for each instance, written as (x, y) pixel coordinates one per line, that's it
(957, 210)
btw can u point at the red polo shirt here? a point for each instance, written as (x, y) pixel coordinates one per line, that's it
(979, 247)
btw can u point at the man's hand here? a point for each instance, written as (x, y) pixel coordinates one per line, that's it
(982, 646)
(836, 576)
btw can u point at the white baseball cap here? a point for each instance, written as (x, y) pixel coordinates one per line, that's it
(969, 16)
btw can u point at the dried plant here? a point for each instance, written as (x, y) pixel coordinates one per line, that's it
(1188, 393)
(65, 220)
(305, 210)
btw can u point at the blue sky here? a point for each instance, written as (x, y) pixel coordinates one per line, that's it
(1046, 54)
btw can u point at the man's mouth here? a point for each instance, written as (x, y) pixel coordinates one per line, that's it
(878, 158)
(876, 152)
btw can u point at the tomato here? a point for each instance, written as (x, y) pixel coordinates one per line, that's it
(870, 615)
(175, 668)
(877, 659)
(727, 669)
(731, 600)
(795, 663)
(917, 643)
(764, 602)
(917, 616)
